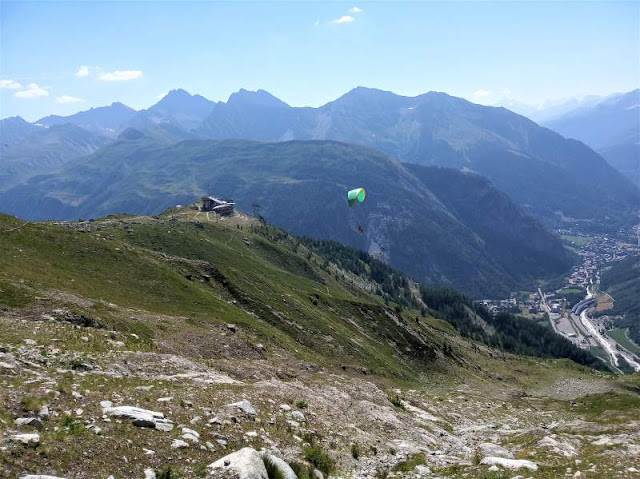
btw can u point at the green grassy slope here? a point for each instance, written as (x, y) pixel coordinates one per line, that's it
(209, 273)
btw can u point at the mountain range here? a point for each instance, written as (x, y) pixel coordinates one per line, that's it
(611, 127)
(551, 177)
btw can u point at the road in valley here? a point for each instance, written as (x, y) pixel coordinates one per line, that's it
(608, 345)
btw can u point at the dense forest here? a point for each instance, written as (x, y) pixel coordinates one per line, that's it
(622, 282)
(504, 331)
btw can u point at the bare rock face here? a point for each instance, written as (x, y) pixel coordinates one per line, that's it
(243, 464)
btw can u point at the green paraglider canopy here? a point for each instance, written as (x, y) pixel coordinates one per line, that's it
(356, 195)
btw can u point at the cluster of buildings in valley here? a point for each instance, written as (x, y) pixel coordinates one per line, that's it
(596, 251)
(568, 309)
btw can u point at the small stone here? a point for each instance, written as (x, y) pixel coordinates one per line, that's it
(165, 399)
(179, 444)
(149, 474)
(298, 416)
(285, 407)
(44, 412)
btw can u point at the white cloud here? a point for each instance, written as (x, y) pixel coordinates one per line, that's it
(83, 71)
(69, 99)
(121, 75)
(32, 91)
(10, 84)
(356, 10)
(481, 93)
(343, 19)
(162, 95)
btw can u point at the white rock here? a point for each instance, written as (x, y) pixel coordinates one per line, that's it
(179, 443)
(556, 446)
(165, 399)
(245, 406)
(105, 404)
(76, 395)
(140, 417)
(245, 464)
(494, 468)
(44, 412)
(149, 474)
(251, 434)
(318, 474)
(186, 430)
(285, 407)
(29, 421)
(489, 449)
(148, 452)
(30, 342)
(191, 438)
(298, 416)
(283, 467)
(40, 476)
(26, 438)
(509, 463)
(421, 470)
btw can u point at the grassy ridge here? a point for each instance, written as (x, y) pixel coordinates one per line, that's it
(209, 273)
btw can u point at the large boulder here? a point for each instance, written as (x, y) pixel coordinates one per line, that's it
(246, 463)
(282, 466)
(245, 406)
(140, 417)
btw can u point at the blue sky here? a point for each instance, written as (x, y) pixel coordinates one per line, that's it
(309, 53)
